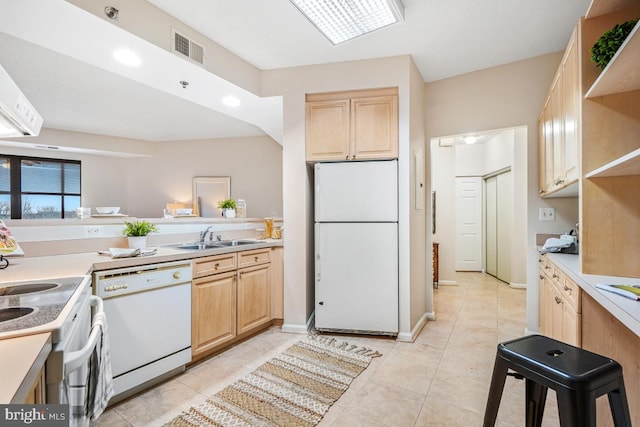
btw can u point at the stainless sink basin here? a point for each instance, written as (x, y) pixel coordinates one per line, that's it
(214, 245)
(8, 291)
(225, 243)
(14, 313)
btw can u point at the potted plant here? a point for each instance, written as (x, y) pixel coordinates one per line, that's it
(137, 232)
(608, 44)
(228, 207)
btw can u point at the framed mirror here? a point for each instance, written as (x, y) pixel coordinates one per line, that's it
(207, 192)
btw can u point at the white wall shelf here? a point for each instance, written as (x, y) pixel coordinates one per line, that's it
(621, 74)
(627, 165)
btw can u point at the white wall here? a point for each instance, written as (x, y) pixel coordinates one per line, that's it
(141, 176)
(253, 163)
(511, 95)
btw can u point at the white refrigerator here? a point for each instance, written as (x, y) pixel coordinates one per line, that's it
(356, 247)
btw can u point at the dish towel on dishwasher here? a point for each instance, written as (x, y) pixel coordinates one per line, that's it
(100, 388)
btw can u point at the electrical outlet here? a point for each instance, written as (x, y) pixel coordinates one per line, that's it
(92, 231)
(547, 214)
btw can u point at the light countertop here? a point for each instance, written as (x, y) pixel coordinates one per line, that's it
(624, 309)
(22, 358)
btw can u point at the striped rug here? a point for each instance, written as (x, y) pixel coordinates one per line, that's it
(295, 388)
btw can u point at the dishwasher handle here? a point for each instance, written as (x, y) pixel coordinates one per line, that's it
(78, 358)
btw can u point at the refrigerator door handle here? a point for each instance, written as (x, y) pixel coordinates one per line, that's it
(318, 267)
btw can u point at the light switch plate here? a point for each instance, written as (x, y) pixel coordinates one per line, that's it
(547, 214)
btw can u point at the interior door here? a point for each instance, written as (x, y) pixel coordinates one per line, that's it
(469, 223)
(504, 210)
(491, 220)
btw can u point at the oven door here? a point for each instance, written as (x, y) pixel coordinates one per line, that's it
(67, 366)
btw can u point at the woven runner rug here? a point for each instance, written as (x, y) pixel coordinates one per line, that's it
(295, 388)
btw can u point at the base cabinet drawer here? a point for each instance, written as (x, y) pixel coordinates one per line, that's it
(214, 265)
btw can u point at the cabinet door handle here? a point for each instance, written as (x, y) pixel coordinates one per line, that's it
(255, 259)
(346, 157)
(216, 265)
(540, 260)
(566, 288)
(353, 157)
(541, 277)
(555, 276)
(558, 300)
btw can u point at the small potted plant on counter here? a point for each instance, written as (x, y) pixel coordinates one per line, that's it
(137, 232)
(228, 207)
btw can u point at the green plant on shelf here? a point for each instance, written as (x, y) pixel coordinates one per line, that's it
(227, 204)
(608, 44)
(139, 228)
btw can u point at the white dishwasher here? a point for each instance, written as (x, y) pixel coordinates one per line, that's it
(149, 318)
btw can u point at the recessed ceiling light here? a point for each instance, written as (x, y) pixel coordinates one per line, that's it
(470, 139)
(127, 57)
(341, 20)
(230, 101)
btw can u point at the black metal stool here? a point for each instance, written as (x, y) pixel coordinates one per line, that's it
(578, 377)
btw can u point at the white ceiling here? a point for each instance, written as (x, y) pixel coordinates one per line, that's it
(444, 37)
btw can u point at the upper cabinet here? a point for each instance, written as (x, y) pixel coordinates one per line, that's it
(559, 129)
(355, 125)
(610, 184)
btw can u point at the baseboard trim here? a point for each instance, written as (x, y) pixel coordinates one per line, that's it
(447, 282)
(518, 285)
(300, 329)
(411, 336)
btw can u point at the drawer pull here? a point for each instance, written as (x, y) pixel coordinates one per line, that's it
(558, 300)
(255, 258)
(541, 277)
(216, 265)
(566, 288)
(555, 276)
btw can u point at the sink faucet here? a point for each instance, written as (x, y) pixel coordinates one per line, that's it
(203, 234)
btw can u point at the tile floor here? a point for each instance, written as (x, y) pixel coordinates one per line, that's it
(440, 380)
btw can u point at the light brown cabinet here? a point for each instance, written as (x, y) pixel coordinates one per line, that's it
(559, 306)
(610, 152)
(253, 297)
(36, 395)
(230, 296)
(355, 125)
(559, 126)
(213, 311)
(277, 282)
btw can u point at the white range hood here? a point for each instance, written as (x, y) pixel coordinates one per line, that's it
(17, 115)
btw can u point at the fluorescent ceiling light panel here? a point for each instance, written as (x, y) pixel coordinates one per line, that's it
(342, 20)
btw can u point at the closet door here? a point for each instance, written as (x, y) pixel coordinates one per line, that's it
(504, 209)
(491, 217)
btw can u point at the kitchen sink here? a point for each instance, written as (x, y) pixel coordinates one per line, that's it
(14, 313)
(214, 245)
(8, 291)
(225, 243)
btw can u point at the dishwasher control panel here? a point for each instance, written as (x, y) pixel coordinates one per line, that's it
(122, 281)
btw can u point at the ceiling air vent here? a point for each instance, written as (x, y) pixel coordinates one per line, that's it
(187, 47)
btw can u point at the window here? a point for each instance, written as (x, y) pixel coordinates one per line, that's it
(37, 188)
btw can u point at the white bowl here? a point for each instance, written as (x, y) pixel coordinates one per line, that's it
(105, 210)
(184, 211)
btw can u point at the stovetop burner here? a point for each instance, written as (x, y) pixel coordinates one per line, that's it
(44, 298)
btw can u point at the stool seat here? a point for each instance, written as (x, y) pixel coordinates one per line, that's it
(578, 377)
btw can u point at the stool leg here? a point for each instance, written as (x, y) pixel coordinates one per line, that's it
(576, 409)
(498, 379)
(536, 399)
(619, 406)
